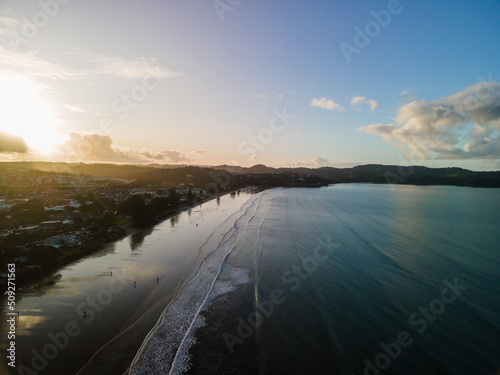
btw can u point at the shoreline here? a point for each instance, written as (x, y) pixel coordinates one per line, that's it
(37, 280)
(117, 355)
(170, 253)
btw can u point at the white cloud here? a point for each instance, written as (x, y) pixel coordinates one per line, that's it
(407, 96)
(73, 108)
(278, 96)
(357, 99)
(199, 152)
(373, 104)
(8, 24)
(31, 64)
(326, 104)
(136, 67)
(320, 162)
(360, 99)
(461, 126)
(316, 162)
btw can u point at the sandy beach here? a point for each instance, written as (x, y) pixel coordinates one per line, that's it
(113, 297)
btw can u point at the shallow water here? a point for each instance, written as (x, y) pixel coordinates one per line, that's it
(349, 279)
(156, 260)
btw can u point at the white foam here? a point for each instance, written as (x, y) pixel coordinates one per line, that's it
(166, 346)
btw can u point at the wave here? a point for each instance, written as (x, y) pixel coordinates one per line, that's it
(165, 348)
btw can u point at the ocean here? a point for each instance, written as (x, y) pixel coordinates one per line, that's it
(349, 279)
(346, 279)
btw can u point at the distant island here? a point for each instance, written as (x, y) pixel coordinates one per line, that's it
(54, 213)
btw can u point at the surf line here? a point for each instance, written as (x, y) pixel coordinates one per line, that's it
(135, 365)
(181, 350)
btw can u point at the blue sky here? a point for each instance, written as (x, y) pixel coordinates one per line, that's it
(245, 82)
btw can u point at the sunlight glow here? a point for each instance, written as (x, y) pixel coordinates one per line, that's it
(23, 112)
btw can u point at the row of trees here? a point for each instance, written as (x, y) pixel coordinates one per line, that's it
(143, 214)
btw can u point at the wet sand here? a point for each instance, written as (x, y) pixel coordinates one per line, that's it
(113, 296)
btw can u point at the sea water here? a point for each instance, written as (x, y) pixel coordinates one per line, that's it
(347, 279)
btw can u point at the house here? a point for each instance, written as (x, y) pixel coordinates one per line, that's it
(69, 240)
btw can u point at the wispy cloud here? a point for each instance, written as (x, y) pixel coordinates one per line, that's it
(73, 108)
(279, 96)
(136, 67)
(8, 24)
(357, 99)
(407, 96)
(326, 104)
(361, 99)
(373, 104)
(315, 162)
(461, 126)
(32, 64)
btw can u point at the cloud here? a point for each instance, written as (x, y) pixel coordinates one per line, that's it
(12, 144)
(373, 104)
(316, 162)
(461, 126)
(73, 108)
(199, 152)
(407, 96)
(31, 64)
(278, 96)
(320, 162)
(97, 147)
(357, 99)
(172, 156)
(8, 24)
(360, 99)
(326, 104)
(136, 67)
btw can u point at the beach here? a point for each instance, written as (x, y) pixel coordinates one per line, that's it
(123, 287)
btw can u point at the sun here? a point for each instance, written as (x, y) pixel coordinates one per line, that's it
(24, 112)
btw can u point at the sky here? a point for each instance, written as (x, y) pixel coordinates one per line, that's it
(277, 82)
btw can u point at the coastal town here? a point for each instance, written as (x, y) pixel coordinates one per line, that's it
(47, 220)
(54, 213)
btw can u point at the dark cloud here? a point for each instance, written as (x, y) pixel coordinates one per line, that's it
(12, 143)
(97, 147)
(465, 125)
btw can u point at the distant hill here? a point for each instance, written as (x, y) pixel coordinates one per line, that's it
(374, 173)
(378, 173)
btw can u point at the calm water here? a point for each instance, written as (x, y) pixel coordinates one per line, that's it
(349, 279)
(320, 281)
(157, 260)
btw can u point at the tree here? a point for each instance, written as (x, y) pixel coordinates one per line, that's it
(132, 206)
(173, 197)
(30, 212)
